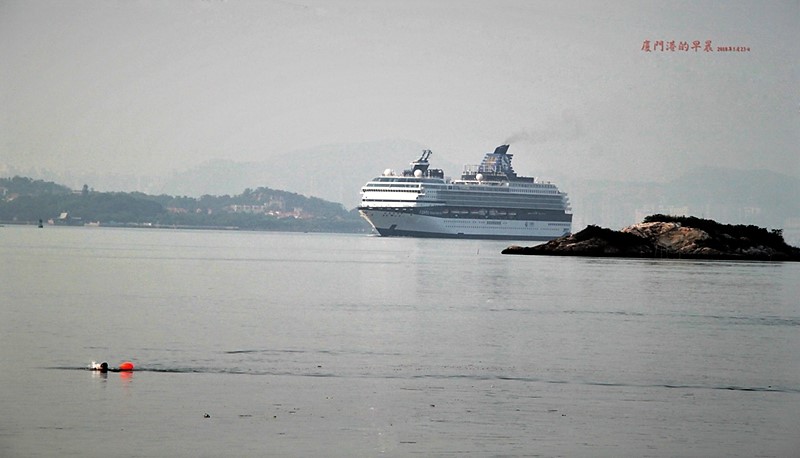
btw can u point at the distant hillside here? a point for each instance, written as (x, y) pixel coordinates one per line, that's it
(25, 186)
(756, 197)
(27, 201)
(337, 172)
(332, 172)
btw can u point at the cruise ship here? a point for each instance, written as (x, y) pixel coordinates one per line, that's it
(489, 201)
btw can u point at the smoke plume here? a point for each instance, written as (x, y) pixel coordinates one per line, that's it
(566, 128)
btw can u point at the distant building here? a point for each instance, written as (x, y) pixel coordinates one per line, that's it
(248, 208)
(274, 204)
(64, 219)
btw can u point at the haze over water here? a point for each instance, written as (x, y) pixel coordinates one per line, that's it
(346, 345)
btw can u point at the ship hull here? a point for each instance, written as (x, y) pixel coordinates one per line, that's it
(409, 223)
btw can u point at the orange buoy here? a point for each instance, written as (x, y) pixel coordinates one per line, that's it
(126, 366)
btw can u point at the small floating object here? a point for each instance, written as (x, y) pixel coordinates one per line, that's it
(127, 366)
(102, 367)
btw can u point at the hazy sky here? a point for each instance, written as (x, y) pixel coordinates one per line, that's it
(150, 86)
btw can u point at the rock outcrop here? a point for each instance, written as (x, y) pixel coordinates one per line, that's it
(662, 236)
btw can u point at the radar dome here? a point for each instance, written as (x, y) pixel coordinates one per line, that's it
(388, 172)
(479, 177)
(418, 173)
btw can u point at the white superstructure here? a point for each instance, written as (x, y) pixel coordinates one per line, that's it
(489, 201)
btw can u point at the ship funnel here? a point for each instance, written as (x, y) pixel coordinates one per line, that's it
(502, 149)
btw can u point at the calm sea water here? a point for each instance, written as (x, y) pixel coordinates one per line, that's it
(343, 345)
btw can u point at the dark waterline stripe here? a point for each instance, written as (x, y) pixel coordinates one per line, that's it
(207, 370)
